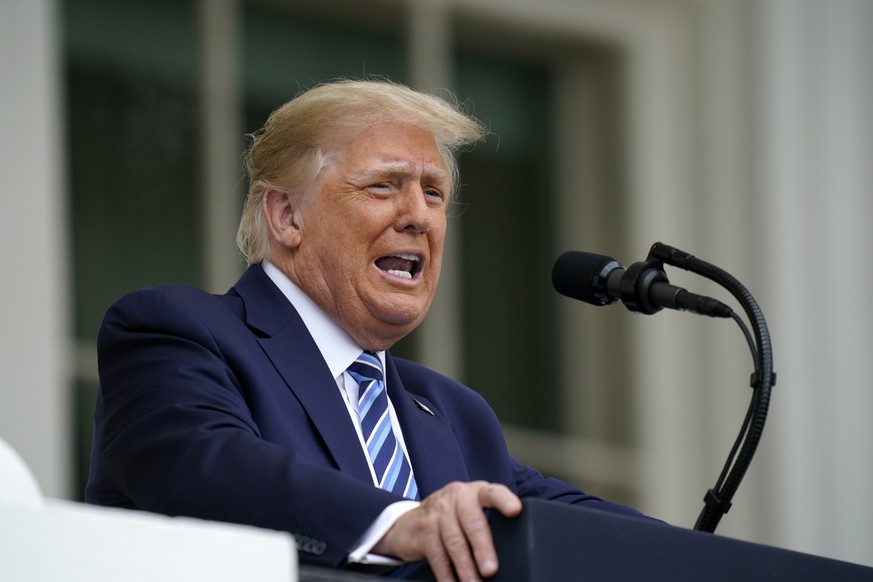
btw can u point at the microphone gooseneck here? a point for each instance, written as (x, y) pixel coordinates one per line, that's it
(717, 500)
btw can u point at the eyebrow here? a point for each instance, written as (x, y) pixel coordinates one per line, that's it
(393, 167)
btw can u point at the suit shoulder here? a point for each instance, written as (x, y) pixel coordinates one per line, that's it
(165, 292)
(169, 305)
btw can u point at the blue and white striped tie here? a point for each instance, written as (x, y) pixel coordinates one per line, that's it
(389, 462)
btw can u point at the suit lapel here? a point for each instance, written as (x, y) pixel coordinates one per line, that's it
(287, 343)
(433, 449)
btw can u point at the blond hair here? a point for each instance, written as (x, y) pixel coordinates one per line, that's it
(290, 150)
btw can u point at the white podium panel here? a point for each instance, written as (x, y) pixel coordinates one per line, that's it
(50, 539)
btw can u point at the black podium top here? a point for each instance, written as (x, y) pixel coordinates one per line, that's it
(554, 543)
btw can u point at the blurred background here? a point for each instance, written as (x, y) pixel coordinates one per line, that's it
(741, 132)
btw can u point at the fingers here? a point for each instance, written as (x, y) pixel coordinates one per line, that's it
(451, 531)
(471, 533)
(477, 556)
(500, 498)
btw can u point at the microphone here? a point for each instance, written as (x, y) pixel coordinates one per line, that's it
(643, 288)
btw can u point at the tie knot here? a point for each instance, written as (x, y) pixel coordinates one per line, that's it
(367, 367)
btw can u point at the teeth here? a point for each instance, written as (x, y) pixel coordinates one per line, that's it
(408, 257)
(401, 274)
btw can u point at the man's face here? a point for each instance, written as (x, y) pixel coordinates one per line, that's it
(371, 235)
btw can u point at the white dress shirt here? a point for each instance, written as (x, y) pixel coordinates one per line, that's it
(339, 351)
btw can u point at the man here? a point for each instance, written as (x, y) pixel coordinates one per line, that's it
(253, 406)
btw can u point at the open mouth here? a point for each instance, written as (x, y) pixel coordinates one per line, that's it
(404, 265)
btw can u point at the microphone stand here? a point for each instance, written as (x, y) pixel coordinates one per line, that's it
(717, 500)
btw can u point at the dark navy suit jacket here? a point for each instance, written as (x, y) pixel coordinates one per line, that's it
(221, 407)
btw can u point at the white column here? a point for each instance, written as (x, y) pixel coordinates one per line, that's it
(221, 140)
(847, 285)
(34, 335)
(817, 112)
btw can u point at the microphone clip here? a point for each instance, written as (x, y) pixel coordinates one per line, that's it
(636, 285)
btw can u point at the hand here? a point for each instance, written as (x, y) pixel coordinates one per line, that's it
(450, 530)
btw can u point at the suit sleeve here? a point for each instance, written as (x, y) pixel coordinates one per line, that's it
(531, 483)
(174, 435)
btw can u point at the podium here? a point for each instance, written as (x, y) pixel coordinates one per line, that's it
(555, 542)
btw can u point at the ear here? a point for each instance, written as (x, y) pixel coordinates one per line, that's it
(282, 211)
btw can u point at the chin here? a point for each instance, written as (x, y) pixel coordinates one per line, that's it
(405, 315)
(406, 320)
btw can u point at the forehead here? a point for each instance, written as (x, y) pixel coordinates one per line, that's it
(392, 148)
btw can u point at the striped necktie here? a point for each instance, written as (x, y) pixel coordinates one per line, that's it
(389, 462)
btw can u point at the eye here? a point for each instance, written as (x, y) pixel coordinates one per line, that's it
(381, 188)
(434, 194)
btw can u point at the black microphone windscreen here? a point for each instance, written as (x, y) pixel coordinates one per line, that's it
(576, 275)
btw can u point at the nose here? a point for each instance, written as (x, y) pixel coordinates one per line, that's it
(414, 214)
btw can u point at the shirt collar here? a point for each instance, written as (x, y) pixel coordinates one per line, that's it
(337, 347)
